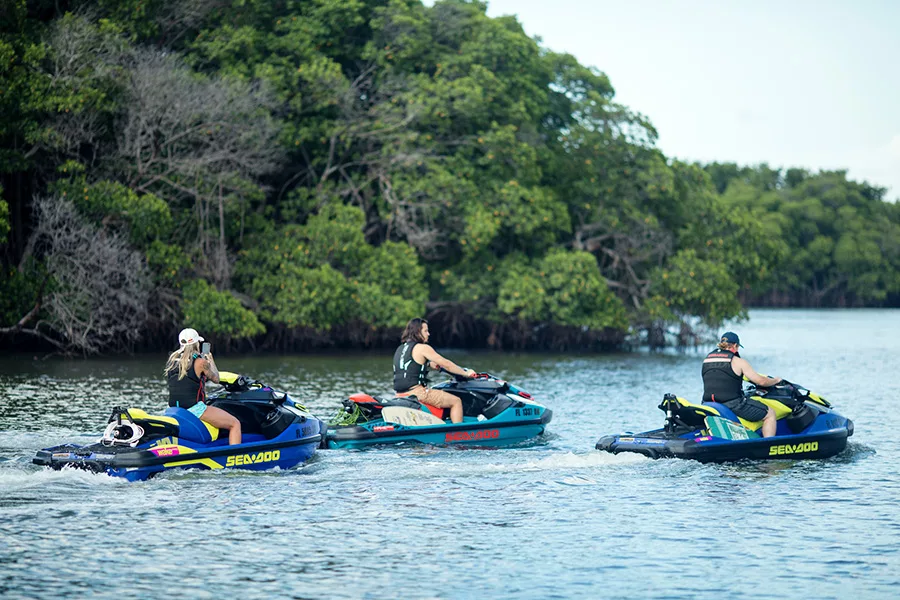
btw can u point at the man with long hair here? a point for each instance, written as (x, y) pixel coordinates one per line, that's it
(411, 361)
(723, 374)
(187, 372)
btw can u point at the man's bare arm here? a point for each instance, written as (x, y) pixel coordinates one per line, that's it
(754, 377)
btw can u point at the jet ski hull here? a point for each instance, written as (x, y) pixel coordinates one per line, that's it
(826, 437)
(277, 432)
(495, 413)
(503, 430)
(294, 446)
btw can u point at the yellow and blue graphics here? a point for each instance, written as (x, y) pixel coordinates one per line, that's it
(277, 432)
(806, 427)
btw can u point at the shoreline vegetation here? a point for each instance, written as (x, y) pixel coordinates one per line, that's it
(303, 175)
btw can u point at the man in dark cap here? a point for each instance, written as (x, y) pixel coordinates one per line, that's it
(723, 372)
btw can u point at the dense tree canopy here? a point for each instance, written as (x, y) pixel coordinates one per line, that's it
(291, 174)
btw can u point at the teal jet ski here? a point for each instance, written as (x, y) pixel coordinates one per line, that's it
(495, 413)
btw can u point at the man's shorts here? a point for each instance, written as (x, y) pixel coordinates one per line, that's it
(197, 409)
(747, 408)
(436, 398)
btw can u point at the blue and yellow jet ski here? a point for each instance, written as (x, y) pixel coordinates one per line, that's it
(277, 432)
(807, 427)
(495, 413)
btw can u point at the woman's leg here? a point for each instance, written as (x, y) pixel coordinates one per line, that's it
(442, 399)
(223, 420)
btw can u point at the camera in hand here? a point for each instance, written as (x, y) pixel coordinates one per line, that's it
(204, 348)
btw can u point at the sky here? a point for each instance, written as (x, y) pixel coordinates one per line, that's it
(793, 83)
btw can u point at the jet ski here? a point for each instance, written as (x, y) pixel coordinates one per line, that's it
(495, 413)
(807, 427)
(277, 432)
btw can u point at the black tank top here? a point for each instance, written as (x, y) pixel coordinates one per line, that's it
(185, 392)
(407, 372)
(720, 384)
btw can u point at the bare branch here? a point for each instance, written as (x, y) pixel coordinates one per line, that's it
(98, 301)
(625, 253)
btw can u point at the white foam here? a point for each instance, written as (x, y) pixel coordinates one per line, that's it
(17, 478)
(577, 480)
(571, 460)
(555, 462)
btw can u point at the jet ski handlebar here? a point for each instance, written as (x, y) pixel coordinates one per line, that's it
(798, 392)
(486, 376)
(458, 377)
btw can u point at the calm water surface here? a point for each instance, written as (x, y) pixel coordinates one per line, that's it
(552, 519)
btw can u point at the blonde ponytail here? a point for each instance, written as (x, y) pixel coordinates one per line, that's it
(183, 357)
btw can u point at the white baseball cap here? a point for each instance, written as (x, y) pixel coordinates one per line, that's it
(189, 336)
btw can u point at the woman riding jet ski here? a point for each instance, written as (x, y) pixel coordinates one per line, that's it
(473, 409)
(276, 432)
(494, 413)
(806, 427)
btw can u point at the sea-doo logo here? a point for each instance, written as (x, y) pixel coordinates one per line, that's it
(252, 459)
(793, 448)
(466, 436)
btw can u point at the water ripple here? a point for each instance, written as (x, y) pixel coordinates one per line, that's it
(549, 519)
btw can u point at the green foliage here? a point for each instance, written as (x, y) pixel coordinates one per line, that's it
(394, 267)
(818, 238)
(144, 217)
(168, 263)
(738, 233)
(22, 87)
(564, 288)
(4, 218)
(20, 291)
(50, 75)
(690, 285)
(339, 163)
(317, 298)
(219, 313)
(475, 282)
(324, 274)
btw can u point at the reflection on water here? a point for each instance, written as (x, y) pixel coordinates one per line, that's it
(550, 518)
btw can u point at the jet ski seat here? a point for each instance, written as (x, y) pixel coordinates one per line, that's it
(694, 415)
(691, 414)
(720, 410)
(781, 411)
(411, 400)
(410, 417)
(191, 427)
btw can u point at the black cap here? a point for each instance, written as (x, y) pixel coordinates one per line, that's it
(732, 338)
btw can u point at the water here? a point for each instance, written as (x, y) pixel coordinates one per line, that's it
(551, 519)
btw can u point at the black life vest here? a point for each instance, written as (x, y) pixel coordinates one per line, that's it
(407, 372)
(185, 392)
(720, 383)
